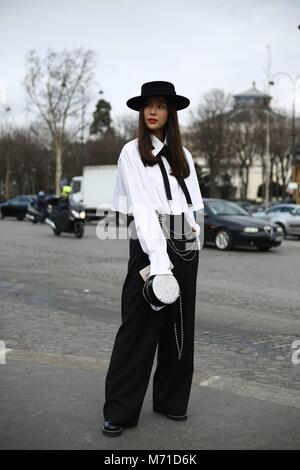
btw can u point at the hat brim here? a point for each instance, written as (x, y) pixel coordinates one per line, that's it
(180, 102)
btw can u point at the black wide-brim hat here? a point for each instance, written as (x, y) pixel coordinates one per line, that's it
(165, 89)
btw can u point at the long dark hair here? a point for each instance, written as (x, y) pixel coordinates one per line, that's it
(179, 166)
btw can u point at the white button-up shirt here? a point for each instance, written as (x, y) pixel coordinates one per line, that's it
(140, 191)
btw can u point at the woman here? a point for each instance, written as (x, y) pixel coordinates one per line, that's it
(156, 181)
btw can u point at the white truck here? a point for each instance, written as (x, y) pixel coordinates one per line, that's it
(94, 190)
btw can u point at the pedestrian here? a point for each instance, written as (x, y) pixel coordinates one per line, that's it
(63, 207)
(158, 188)
(42, 205)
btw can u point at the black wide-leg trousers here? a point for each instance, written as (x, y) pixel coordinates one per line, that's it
(142, 331)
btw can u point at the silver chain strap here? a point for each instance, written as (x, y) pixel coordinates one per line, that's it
(144, 293)
(184, 254)
(179, 349)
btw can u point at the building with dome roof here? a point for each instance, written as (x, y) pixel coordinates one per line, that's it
(252, 104)
(245, 175)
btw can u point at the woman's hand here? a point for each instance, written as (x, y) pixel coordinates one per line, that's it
(196, 228)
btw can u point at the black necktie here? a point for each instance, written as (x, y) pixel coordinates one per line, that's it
(165, 152)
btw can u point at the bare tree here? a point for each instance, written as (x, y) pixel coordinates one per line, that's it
(281, 150)
(59, 90)
(25, 164)
(210, 133)
(280, 143)
(127, 127)
(6, 151)
(245, 132)
(6, 156)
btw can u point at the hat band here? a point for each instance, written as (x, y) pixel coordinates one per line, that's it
(157, 92)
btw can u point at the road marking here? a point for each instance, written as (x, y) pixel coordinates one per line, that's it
(266, 392)
(3, 355)
(209, 381)
(259, 391)
(64, 360)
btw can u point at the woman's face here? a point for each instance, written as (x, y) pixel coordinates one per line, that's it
(155, 112)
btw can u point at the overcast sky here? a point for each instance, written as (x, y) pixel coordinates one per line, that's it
(197, 45)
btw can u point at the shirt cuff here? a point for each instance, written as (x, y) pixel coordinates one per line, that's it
(159, 263)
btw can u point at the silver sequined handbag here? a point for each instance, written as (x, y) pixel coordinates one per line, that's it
(161, 289)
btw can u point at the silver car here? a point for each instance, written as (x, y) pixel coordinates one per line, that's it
(289, 222)
(274, 211)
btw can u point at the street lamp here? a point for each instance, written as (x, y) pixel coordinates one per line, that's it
(293, 81)
(268, 157)
(267, 153)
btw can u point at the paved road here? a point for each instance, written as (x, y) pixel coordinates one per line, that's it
(59, 306)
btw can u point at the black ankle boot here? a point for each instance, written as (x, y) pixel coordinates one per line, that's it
(112, 430)
(171, 416)
(176, 417)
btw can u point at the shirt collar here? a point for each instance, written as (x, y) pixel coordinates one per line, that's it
(158, 144)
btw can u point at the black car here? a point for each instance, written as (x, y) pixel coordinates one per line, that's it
(16, 207)
(226, 225)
